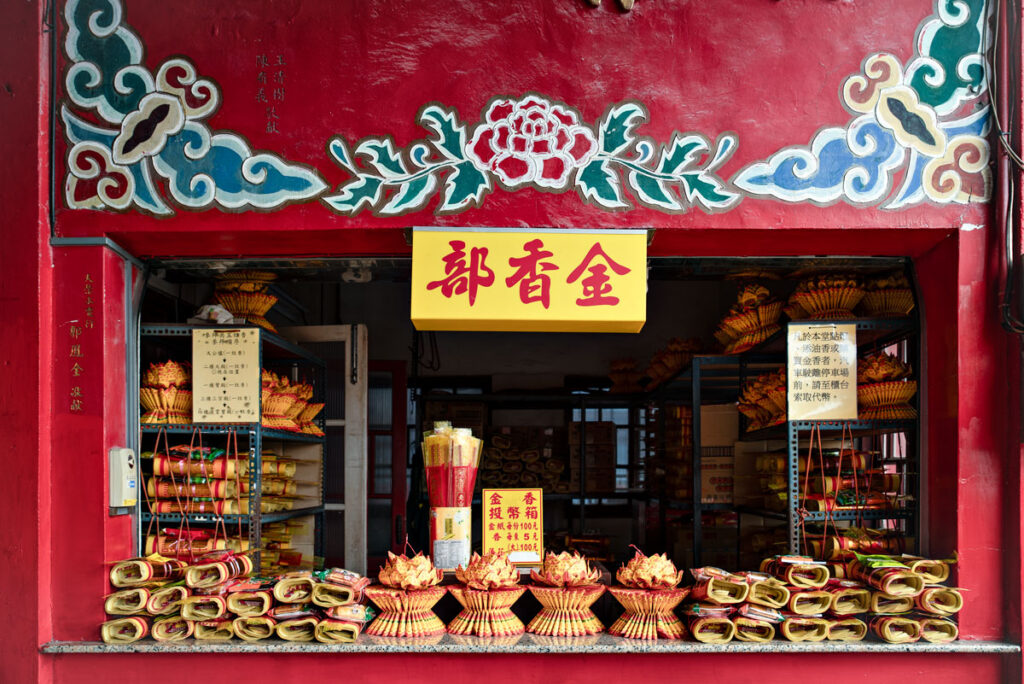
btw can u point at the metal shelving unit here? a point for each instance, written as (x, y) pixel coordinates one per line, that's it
(274, 351)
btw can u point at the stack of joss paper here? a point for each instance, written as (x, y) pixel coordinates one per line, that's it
(406, 596)
(566, 588)
(796, 598)
(752, 320)
(215, 599)
(451, 456)
(287, 405)
(244, 294)
(488, 590)
(649, 594)
(166, 394)
(884, 388)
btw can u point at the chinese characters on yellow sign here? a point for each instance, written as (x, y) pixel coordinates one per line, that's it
(226, 375)
(529, 281)
(513, 522)
(821, 371)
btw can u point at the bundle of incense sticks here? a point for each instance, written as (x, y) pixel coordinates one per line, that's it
(451, 456)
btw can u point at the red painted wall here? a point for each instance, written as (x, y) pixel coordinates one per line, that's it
(364, 69)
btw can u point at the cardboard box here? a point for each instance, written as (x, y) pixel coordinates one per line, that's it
(716, 479)
(597, 455)
(597, 432)
(597, 480)
(719, 425)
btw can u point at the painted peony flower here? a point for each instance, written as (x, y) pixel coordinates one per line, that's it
(531, 140)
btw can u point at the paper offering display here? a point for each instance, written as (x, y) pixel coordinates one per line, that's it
(226, 375)
(821, 371)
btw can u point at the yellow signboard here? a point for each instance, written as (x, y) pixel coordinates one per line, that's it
(821, 371)
(513, 522)
(507, 279)
(226, 375)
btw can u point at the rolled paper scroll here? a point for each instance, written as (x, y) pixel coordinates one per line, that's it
(295, 587)
(215, 630)
(212, 489)
(938, 630)
(849, 600)
(201, 608)
(886, 574)
(896, 630)
(127, 602)
(713, 630)
(301, 629)
(849, 629)
(931, 571)
(720, 590)
(249, 603)
(221, 468)
(805, 629)
(769, 593)
(761, 613)
(253, 628)
(142, 570)
(800, 572)
(810, 602)
(337, 631)
(328, 595)
(942, 601)
(166, 600)
(124, 630)
(885, 604)
(217, 568)
(748, 629)
(173, 628)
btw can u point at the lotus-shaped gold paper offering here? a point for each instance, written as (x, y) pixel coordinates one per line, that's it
(649, 596)
(490, 589)
(407, 598)
(571, 589)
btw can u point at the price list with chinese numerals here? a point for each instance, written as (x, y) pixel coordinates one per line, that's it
(821, 371)
(513, 522)
(226, 375)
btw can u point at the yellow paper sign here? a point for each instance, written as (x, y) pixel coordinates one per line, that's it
(226, 375)
(821, 371)
(513, 522)
(507, 279)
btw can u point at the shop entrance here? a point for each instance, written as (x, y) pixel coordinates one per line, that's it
(670, 439)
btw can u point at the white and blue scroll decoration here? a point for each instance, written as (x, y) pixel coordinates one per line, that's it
(927, 119)
(146, 125)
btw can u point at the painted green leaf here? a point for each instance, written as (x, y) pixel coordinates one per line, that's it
(356, 195)
(339, 149)
(451, 135)
(950, 68)
(681, 153)
(411, 196)
(599, 184)
(381, 154)
(464, 187)
(652, 191)
(616, 129)
(700, 189)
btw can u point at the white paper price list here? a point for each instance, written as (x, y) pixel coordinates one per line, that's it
(226, 375)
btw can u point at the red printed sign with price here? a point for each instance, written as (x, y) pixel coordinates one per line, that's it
(513, 522)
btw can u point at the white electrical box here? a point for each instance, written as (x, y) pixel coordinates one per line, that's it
(124, 478)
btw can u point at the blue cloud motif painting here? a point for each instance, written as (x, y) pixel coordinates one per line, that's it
(852, 164)
(905, 117)
(154, 124)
